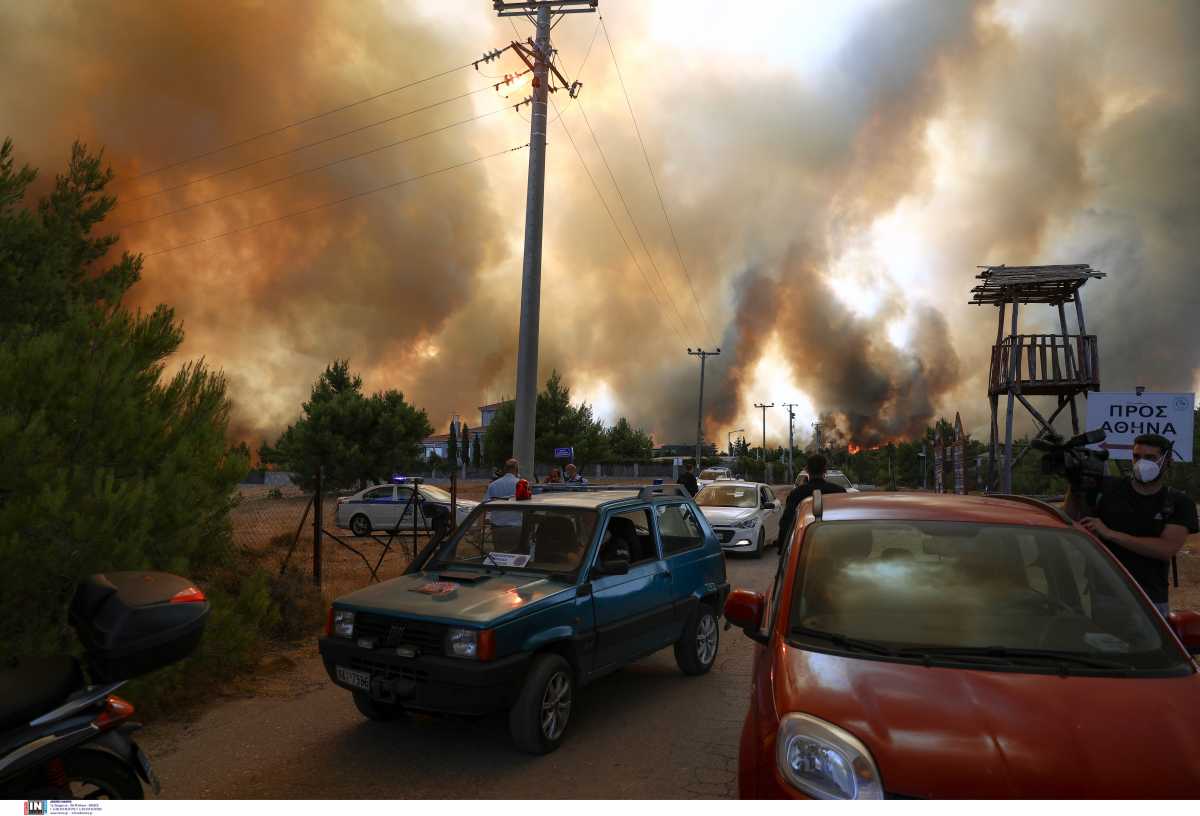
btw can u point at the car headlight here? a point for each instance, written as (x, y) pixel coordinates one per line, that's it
(343, 623)
(462, 642)
(745, 523)
(824, 761)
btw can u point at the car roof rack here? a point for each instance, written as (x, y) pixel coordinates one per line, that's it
(1034, 502)
(643, 491)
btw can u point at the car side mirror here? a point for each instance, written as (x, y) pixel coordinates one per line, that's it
(614, 566)
(1186, 625)
(744, 609)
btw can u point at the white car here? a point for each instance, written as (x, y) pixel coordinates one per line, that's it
(744, 515)
(838, 478)
(382, 507)
(712, 474)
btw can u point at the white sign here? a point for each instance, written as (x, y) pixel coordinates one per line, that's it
(506, 559)
(1124, 416)
(678, 461)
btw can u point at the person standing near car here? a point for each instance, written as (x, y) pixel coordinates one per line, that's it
(688, 479)
(1143, 522)
(815, 467)
(571, 475)
(506, 525)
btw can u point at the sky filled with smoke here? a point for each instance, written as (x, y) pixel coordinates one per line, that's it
(833, 177)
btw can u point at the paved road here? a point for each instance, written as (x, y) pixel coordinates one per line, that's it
(645, 732)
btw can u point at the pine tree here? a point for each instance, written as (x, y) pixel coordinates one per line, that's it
(108, 464)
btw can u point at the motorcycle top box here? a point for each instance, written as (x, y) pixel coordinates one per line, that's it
(132, 623)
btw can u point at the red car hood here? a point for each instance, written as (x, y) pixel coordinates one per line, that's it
(954, 733)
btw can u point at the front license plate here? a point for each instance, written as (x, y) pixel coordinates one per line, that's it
(143, 762)
(353, 677)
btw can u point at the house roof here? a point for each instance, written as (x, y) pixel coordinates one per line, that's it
(1031, 284)
(430, 440)
(494, 406)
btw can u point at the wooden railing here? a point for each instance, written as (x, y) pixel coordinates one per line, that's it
(1045, 363)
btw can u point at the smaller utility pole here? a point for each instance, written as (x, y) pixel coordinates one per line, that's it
(791, 457)
(703, 355)
(817, 435)
(764, 407)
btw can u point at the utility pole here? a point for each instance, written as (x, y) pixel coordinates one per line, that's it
(729, 438)
(791, 460)
(764, 407)
(535, 195)
(817, 435)
(703, 355)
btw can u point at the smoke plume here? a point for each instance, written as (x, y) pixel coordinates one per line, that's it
(830, 210)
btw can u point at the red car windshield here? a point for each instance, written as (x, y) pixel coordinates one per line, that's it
(996, 594)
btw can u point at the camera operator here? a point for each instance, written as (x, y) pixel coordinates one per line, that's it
(1143, 522)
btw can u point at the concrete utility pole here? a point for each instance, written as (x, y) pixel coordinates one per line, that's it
(817, 435)
(764, 407)
(531, 272)
(703, 355)
(791, 460)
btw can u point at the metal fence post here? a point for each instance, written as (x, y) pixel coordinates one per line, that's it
(318, 526)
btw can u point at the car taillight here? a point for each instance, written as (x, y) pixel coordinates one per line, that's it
(115, 712)
(190, 595)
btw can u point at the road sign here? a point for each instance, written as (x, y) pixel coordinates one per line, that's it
(678, 461)
(564, 453)
(1125, 415)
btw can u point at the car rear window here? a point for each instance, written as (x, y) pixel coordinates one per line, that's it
(905, 585)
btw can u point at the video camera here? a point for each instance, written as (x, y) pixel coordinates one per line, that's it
(1083, 467)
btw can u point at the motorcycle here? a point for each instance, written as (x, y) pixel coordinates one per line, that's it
(64, 733)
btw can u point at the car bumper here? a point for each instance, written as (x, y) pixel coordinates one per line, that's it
(738, 539)
(441, 684)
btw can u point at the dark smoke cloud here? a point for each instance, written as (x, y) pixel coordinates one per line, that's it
(1008, 132)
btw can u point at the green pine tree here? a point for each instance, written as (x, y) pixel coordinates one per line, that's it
(109, 462)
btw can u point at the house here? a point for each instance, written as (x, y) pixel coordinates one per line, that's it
(438, 444)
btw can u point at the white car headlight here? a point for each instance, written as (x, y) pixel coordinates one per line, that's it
(462, 643)
(343, 623)
(825, 761)
(745, 523)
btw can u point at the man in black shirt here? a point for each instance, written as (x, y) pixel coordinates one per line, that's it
(688, 480)
(1143, 522)
(816, 481)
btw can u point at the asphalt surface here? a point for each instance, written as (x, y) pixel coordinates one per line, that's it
(646, 732)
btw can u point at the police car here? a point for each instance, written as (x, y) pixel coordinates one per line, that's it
(384, 507)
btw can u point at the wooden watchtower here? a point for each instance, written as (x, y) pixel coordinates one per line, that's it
(1061, 365)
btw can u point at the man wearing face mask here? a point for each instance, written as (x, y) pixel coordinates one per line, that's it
(1143, 522)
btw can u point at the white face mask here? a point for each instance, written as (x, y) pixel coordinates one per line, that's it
(1146, 470)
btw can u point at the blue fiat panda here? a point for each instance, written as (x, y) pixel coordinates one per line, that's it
(527, 601)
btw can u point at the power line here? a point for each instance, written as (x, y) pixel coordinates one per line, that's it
(316, 116)
(629, 213)
(322, 141)
(335, 202)
(650, 169)
(613, 219)
(325, 166)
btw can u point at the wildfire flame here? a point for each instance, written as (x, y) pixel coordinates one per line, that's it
(854, 448)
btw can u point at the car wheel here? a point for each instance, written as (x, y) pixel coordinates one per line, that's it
(539, 719)
(379, 712)
(696, 649)
(360, 525)
(761, 544)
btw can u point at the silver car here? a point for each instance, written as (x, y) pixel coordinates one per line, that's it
(383, 507)
(744, 515)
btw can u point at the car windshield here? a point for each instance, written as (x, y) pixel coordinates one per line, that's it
(544, 539)
(838, 479)
(711, 475)
(434, 493)
(928, 587)
(727, 496)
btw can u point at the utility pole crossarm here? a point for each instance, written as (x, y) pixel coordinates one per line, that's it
(522, 9)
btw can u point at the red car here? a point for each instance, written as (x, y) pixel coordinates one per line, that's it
(954, 647)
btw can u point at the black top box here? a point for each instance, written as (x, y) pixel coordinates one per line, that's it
(132, 623)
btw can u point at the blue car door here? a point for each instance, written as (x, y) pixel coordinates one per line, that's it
(690, 563)
(634, 612)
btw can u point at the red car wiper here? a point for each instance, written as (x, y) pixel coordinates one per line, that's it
(844, 641)
(1005, 653)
